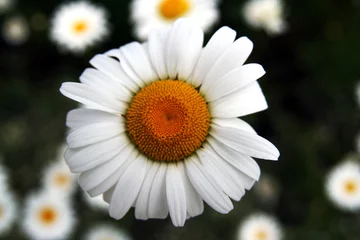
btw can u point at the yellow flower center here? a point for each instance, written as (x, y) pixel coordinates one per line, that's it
(173, 9)
(80, 26)
(47, 215)
(61, 179)
(351, 187)
(261, 235)
(168, 120)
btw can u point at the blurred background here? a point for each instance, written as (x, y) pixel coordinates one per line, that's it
(313, 116)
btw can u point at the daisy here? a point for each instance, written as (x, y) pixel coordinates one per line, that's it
(96, 202)
(78, 25)
(47, 217)
(106, 233)
(343, 185)
(163, 133)
(149, 14)
(266, 14)
(259, 227)
(15, 30)
(8, 206)
(58, 179)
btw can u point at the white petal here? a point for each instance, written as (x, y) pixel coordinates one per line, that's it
(101, 82)
(88, 95)
(93, 177)
(142, 202)
(156, 52)
(206, 186)
(176, 42)
(113, 178)
(83, 159)
(126, 66)
(233, 123)
(176, 195)
(240, 161)
(234, 56)
(245, 142)
(243, 102)
(108, 194)
(81, 117)
(194, 202)
(94, 133)
(138, 58)
(221, 40)
(240, 179)
(209, 158)
(127, 188)
(189, 55)
(158, 207)
(113, 70)
(234, 80)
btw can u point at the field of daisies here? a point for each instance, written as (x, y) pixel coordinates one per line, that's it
(179, 119)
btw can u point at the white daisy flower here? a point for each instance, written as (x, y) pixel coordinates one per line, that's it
(8, 213)
(47, 217)
(266, 14)
(78, 25)
(259, 227)
(3, 178)
(343, 185)
(15, 30)
(58, 179)
(96, 202)
(149, 14)
(163, 133)
(104, 232)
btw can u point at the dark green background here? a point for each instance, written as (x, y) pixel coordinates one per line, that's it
(313, 116)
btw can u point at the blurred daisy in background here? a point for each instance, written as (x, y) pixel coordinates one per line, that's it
(343, 185)
(149, 14)
(6, 5)
(48, 217)
(259, 226)
(266, 14)
(78, 25)
(163, 133)
(105, 232)
(58, 179)
(15, 30)
(267, 189)
(8, 210)
(96, 202)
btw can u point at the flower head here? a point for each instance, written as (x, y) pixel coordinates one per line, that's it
(160, 131)
(47, 217)
(58, 179)
(104, 232)
(266, 14)
(259, 227)
(343, 185)
(15, 30)
(149, 14)
(78, 25)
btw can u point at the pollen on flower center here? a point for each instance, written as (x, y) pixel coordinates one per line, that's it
(47, 215)
(168, 120)
(350, 187)
(261, 235)
(80, 26)
(172, 9)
